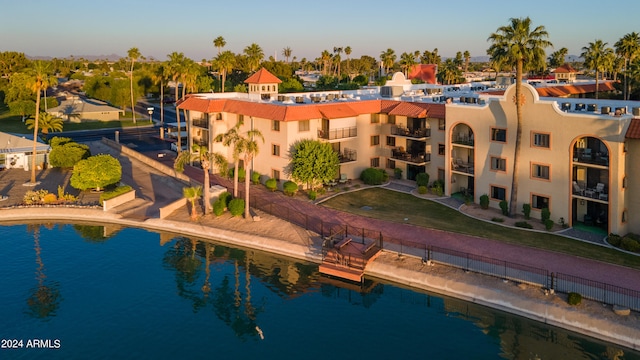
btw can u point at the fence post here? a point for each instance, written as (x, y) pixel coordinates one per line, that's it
(551, 286)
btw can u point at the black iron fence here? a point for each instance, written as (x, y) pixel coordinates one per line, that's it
(558, 282)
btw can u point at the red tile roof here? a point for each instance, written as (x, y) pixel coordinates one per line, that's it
(566, 90)
(565, 68)
(633, 132)
(262, 76)
(424, 72)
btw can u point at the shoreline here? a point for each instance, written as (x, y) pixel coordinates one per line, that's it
(589, 318)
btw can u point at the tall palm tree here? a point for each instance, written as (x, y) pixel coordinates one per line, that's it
(45, 298)
(201, 154)
(39, 79)
(174, 69)
(219, 42)
(388, 58)
(133, 55)
(557, 58)
(225, 62)
(347, 51)
(249, 148)
(628, 47)
(232, 138)
(467, 59)
(596, 57)
(47, 123)
(337, 51)
(325, 57)
(192, 193)
(286, 52)
(406, 62)
(254, 56)
(158, 76)
(517, 44)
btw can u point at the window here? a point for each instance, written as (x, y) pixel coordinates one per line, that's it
(375, 162)
(624, 216)
(441, 124)
(440, 149)
(276, 174)
(304, 125)
(539, 202)
(275, 125)
(498, 193)
(391, 164)
(391, 141)
(541, 140)
(499, 135)
(219, 116)
(275, 150)
(498, 164)
(375, 118)
(440, 174)
(375, 140)
(540, 171)
(392, 119)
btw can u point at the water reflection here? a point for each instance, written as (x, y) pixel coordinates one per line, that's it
(96, 233)
(44, 299)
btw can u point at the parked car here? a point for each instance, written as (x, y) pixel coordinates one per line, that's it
(174, 146)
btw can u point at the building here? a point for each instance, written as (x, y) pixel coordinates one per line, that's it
(578, 156)
(15, 152)
(76, 109)
(565, 74)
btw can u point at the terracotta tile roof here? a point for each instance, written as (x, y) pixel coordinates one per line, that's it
(337, 111)
(565, 68)
(411, 109)
(424, 72)
(566, 90)
(633, 132)
(262, 76)
(202, 105)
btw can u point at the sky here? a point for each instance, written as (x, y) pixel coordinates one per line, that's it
(159, 27)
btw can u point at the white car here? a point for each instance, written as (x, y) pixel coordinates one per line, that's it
(174, 147)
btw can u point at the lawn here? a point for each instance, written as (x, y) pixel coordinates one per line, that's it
(394, 206)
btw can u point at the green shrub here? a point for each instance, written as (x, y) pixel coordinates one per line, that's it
(504, 206)
(545, 215)
(526, 209)
(312, 195)
(255, 178)
(630, 244)
(422, 189)
(497, 219)
(236, 207)
(59, 140)
(438, 187)
(289, 188)
(271, 184)
(68, 154)
(398, 173)
(241, 173)
(524, 225)
(548, 224)
(422, 179)
(574, 298)
(373, 176)
(114, 193)
(34, 197)
(484, 201)
(50, 198)
(614, 239)
(218, 207)
(225, 198)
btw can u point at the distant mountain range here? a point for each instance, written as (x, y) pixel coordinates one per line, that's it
(112, 57)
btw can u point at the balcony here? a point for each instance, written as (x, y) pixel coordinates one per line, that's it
(335, 134)
(463, 139)
(589, 156)
(418, 133)
(201, 123)
(596, 191)
(413, 158)
(347, 155)
(462, 167)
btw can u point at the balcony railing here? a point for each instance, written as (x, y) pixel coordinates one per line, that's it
(467, 168)
(347, 155)
(334, 134)
(411, 133)
(416, 158)
(597, 191)
(463, 139)
(201, 123)
(588, 156)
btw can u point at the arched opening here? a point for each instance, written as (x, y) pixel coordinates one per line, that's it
(462, 161)
(590, 180)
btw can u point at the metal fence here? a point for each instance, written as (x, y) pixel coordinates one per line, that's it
(561, 283)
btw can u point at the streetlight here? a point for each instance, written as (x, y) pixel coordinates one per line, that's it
(150, 111)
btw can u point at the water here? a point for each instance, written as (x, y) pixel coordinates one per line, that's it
(104, 293)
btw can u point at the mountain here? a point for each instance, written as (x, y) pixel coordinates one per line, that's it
(112, 57)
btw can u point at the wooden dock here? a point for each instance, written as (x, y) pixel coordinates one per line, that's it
(347, 259)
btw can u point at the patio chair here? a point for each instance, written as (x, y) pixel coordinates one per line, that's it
(343, 178)
(577, 189)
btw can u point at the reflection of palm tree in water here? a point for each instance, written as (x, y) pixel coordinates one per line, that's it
(45, 298)
(206, 287)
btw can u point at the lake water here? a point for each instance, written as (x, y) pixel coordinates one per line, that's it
(93, 292)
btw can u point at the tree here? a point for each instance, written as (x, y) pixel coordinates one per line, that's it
(254, 56)
(201, 154)
(388, 58)
(232, 138)
(39, 80)
(12, 62)
(313, 163)
(516, 44)
(224, 63)
(219, 42)
(286, 52)
(467, 59)
(337, 51)
(596, 57)
(347, 51)
(249, 148)
(325, 58)
(192, 193)
(174, 70)
(557, 58)
(96, 172)
(406, 62)
(133, 56)
(628, 47)
(48, 122)
(67, 154)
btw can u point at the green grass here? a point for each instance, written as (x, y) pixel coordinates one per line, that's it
(394, 206)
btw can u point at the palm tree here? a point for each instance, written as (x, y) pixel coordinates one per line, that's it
(45, 298)
(39, 79)
(388, 58)
(174, 71)
(47, 123)
(232, 138)
(201, 154)
(219, 42)
(467, 59)
(557, 58)
(133, 54)
(406, 62)
(628, 47)
(286, 52)
(249, 148)
(158, 77)
(516, 44)
(449, 73)
(347, 51)
(337, 51)
(254, 56)
(596, 57)
(225, 63)
(325, 57)
(192, 193)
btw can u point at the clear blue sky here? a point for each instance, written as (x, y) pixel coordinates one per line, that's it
(159, 27)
